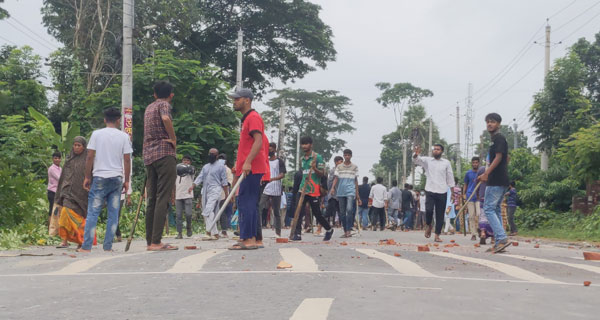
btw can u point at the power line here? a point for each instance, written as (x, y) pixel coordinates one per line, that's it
(30, 37)
(580, 27)
(33, 32)
(8, 41)
(561, 10)
(577, 16)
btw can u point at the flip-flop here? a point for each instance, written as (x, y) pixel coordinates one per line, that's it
(502, 248)
(165, 247)
(241, 246)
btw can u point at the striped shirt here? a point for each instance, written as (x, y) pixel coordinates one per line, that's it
(346, 175)
(274, 188)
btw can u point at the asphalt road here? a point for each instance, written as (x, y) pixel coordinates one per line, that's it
(358, 279)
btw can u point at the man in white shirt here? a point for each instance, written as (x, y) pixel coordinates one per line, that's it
(379, 198)
(271, 196)
(109, 154)
(184, 196)
(439, 178)
(225, 219)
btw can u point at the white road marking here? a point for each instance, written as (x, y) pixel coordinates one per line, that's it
(403, 266)
(572, 265)
(510, 270)
(194, 262)
(299, 260)
(86, 264)
(313, 309)
(416, 288)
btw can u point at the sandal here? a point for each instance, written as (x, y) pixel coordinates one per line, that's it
(241, 246)
(428, 231)
(165, 247)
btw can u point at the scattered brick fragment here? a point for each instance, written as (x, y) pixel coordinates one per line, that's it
(397, 254)
(528, 241)
(243, 257)
(587, 283)
(72, 256)
(283, 265)
(536, 246)
(515, 243)
(190, 247)
(344, 243)
(282, 240)
(423, 248)
(448, 246)
(477, 245)
(456, 245)
(452, 241)
(591, 255)
(391, 242)
(445, 250)
(436, 245)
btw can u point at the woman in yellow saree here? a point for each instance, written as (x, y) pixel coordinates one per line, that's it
(71, 197)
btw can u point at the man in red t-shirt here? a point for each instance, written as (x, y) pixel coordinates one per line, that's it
(252, 160)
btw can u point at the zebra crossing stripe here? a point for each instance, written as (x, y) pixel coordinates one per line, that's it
(572, 265)
(194, 262)
(86, 264)
(299, 260)
(403, 266)
(507, 269)
(314, 309)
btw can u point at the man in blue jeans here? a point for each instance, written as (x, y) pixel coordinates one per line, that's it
(109, 150)
(345, 187)
(496, 176)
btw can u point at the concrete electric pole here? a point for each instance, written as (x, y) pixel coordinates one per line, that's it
(458, 164)
(127, 71)
(516, 135)
(281, 135)
(240, 52)
(544, 156)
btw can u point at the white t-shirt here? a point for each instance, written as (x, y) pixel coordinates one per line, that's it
(182, 185)
(422, 200)
(379, 195)
(110, 145)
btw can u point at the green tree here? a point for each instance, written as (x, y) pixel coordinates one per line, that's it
(399, 96)
(322, 115)
(20, 89)
(509, 134)
(202, 112)
(561, 108)
(589, 54)
(581, 151)
(3, 13)
(283, 39)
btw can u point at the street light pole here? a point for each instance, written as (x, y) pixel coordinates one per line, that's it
(127, 71)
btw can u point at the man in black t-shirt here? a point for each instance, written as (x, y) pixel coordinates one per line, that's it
(496, 176)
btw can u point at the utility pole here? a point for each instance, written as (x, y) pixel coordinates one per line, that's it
(389, 179)
(397, 165)
(403, 163)
(281, 128)
(469, 123)
(481, 152)
(127, 71)
(430, 136)
(240, 51)
(458, 165)
(516, 140)
(544, 156)
(298, 150)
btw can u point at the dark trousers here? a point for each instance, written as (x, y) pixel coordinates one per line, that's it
(275, 203)
(225, 218)
(378, 214)
(437, 202)
(510, 212)
(248, 207)
(51, 195)
(333, 207)
(315, 206)
(118, 232)
(160, 182)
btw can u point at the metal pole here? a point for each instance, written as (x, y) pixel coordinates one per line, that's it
(127, 71)
(281, 128)
(403, 163)
(458, 165)
(397, 170)
(516, 138)
(544, 157)
(298, 151)
(240, 51)
(430, 136)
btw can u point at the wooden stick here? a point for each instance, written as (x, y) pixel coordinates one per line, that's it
(301, 200)
(137, 215)
(226, 202)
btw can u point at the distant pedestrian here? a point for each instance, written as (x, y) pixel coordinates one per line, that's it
(159, 158)
(511, 207)
(379, 199)
(364, 190)
(496, 176)
(54, 172)
(438, 172)
(225, 219)
(184, 195)
(271, 196)
(333, 205)
(473, 206)
(345, 188)
(421, 212)
(71, 198)
(213, 178)
(394, 205)
(457, 203)
(407, 207)
(450, 214)
(107, 172)
(252, 161)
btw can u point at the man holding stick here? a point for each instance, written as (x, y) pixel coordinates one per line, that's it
(313, 168)
(496, 176)
(473, 205)
(439, 178)
(251, 165)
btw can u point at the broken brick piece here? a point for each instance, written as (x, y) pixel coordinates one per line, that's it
(448, 246)
(452, 241)
(587, 283)
(436, 245)
(515, 243)
(528, 241)
(477, 245)
(282, 240)
(536, 246)
(423, 248)
(445, 250)
(397, 254)
(283, 265)
(591, 255)
(190, 247)
(456, 245)
(344, 243)
(391, 242)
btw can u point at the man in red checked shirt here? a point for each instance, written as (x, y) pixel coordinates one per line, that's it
(252, 160)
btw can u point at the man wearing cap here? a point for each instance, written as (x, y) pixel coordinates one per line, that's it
(252, 155)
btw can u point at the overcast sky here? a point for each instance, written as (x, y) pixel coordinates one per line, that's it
(437, 45)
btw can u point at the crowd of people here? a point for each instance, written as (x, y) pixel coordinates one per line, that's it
(97, 175)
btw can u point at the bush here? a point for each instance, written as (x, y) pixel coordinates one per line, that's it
(533, 218)
(588, 227)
